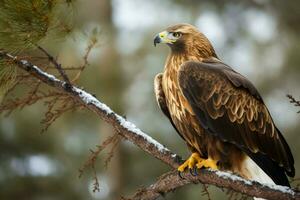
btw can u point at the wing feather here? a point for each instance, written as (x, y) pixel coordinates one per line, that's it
(228, 106)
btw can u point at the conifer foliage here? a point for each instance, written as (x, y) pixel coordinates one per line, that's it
(24, 24)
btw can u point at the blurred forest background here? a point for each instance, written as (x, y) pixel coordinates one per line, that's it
(258, 38)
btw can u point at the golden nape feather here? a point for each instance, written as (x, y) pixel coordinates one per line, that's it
(218, 112)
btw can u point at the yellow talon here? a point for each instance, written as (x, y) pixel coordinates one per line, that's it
(182, 167)
(208, 163)
(196, 161)
(193, 160)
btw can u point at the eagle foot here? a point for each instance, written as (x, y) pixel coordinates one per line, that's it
(191, 163)
(208, 163)
(195, 162)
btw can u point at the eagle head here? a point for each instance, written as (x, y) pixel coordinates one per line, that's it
(185, 38)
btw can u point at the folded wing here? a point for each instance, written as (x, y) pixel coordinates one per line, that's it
(228, 106)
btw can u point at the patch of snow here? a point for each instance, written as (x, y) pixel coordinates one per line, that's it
(90, 99)
(174, 155)
(50, 76)
(228, 175)
(280, 188)
(132, 127)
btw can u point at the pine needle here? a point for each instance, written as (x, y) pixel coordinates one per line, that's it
(24, 23)
(8, 73)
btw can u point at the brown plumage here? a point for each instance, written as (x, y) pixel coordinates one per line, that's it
(216, 110)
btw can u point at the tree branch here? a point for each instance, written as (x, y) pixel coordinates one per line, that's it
(129, 131)
(56, 64)
(170, 181)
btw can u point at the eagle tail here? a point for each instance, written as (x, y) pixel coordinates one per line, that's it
(265, 170)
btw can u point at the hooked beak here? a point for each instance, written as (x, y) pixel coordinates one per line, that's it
(163, 37)
(157, 40)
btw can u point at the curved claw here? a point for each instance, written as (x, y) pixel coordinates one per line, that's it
(180, 174)
(193, 171)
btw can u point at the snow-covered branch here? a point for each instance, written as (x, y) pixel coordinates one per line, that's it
(170, 181)
(129, 131)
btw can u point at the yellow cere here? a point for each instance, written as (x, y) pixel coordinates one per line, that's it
(164, 37)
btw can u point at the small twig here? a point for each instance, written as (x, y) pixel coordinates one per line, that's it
(94, 154)
(85, 60)
(110, 154)
(91, 162)
(294, 101)
(205, 191)
(56, 107)
(56, 64)
(17, 103)
(96, 184)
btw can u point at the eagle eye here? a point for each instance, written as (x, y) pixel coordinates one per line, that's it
(176, 34)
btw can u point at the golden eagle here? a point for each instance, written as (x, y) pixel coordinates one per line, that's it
(218, 112)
